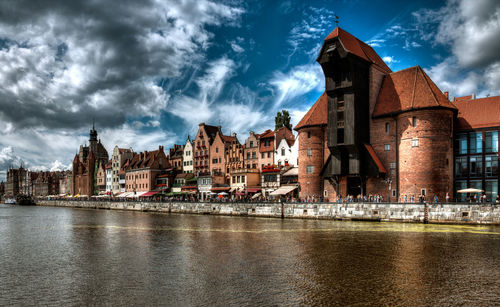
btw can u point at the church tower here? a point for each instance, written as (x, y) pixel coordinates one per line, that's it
(93, 139)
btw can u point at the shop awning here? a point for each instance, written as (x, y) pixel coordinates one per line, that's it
(284, 190)
(147, 194)
(250, 190)
(221, 189)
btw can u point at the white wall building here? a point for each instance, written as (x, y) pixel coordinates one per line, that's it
(187, 164)
(109, 178)
(287, 152)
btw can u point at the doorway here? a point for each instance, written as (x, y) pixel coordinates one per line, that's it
(353, 186)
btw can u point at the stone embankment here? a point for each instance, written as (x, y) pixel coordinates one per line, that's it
(464, 213)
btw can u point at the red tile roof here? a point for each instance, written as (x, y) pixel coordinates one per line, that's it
(228, 139)
(463, 98)
(478, 113)
(358, 48)
(267, 134)
(375, 158)
(317, 115)
(409, 89)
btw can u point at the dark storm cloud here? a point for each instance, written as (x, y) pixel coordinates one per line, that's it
(64, 62)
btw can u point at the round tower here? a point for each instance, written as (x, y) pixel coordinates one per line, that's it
(425, 145)
(311, 157)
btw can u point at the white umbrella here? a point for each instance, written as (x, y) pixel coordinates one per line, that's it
(470, 190)
(222, 193)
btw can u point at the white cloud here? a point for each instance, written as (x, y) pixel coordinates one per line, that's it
(471, 29)
(389, 60)
(298, 81)
(62, 61)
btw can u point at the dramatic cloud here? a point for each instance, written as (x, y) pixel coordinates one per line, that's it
(298, 81)
(64, 62)
(471, 29)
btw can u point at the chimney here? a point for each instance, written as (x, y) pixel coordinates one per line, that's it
(234, 134)
(446, 94)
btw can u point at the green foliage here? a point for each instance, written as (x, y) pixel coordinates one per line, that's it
(282, 119)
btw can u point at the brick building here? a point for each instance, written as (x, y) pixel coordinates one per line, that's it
(47, 183)
(201, 148)
(141, 171)
(176, 155)
(374, 131)
(251, 151)
(84, 165)
(233, 155)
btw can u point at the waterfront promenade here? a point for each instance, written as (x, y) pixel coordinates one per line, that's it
(444, 213)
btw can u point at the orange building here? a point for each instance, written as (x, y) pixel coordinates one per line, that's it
(201, 148)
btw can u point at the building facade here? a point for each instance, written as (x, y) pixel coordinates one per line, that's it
(141, 171)
(187, 159)
(251, 151)
(201, 148)
(176, 155)
(83, 181)
(120, 155)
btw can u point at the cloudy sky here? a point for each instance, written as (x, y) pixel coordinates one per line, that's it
(149, 71)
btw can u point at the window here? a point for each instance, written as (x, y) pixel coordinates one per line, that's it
(476, 142)
(414, 121)
(461, 167)
(310, 169)
(491, 189)
(325, 193)
(238, 179)
(393, 165)
(220, 160)
(387, 147)
(269, 154)
(423, 192)
(251, 144)
(308, 134)
(491, 165)
(475, 166)
(217, 149)
(262, 156)
(414, 143)
(393, 193)
(270, 178)
(254, 155)
(214, 161)
(254, 165)
(387, 128)
(282, 151)
(248, 155)
(309, 152)
(491, 141)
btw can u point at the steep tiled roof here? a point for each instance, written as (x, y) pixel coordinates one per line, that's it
(407, 90)
(317, 115)
(463, 98)
(228, 139)
(267, 134)
(478, 113)
(358, 48)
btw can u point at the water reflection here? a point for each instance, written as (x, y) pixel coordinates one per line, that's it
(90, 257)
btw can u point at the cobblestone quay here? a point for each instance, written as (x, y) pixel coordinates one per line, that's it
(463, 213)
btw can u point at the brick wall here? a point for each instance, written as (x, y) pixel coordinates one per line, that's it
(430, 164)
(312, 139)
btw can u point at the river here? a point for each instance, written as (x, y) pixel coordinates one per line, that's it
(64, 256)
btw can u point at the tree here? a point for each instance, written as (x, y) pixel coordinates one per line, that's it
(282, 119)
